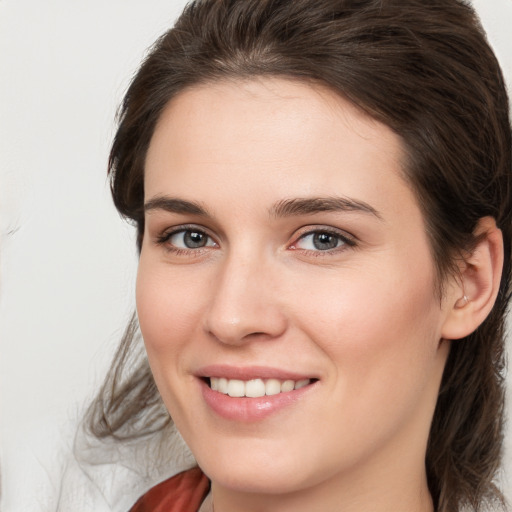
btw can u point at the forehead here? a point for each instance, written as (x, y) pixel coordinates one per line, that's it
(303, 139)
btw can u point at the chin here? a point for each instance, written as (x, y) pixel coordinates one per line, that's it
(264, 468)
(251, 478)
(253, 470)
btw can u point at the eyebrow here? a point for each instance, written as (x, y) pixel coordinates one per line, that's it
(174, 205)
(309, 206)
(284, 208)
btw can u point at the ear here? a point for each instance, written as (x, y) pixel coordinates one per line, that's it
(471, 298)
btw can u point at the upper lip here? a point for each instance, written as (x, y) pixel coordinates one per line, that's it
(250, 372)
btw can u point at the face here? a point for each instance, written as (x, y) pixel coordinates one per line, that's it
(286, 288)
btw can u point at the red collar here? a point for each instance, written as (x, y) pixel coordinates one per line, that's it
(183, 492)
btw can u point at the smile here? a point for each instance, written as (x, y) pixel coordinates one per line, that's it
(255, 388)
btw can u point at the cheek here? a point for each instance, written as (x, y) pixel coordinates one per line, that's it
(381, 330)
(167, 307)
(386, 366)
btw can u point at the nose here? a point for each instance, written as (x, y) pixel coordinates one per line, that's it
(245, 303)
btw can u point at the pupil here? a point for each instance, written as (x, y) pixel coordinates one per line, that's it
(323, 241)
(193, 239)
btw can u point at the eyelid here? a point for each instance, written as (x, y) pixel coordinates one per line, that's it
(164, 237)
(347, 238)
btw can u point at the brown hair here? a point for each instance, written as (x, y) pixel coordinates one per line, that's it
(425, 70)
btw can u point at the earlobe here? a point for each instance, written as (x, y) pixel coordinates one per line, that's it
(471, 299)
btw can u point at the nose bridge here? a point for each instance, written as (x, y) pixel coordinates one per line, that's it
(245, 301)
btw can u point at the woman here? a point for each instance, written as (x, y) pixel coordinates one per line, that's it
(321, 191)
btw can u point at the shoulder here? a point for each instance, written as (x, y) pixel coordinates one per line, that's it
(184, 491)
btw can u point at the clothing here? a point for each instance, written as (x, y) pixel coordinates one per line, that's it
(183, 492)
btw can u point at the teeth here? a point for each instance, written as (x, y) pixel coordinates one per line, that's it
(255, 388)
(288, 385)
(236, 388)
(301, 383)
(272, 387)
(222, 385)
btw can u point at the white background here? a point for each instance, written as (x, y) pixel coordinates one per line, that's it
(67, 261)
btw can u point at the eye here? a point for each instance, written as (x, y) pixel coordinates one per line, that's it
(187, 239)
(322, 241)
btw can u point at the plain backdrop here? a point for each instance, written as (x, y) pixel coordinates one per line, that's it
(67, 261)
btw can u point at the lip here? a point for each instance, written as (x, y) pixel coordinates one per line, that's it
(250, 372)
(245, 409)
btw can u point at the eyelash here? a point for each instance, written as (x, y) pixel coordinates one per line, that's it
(165, 238)
(344, 240)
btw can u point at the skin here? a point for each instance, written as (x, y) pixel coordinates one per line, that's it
(363, 317)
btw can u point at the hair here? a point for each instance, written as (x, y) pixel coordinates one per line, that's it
(424, 69)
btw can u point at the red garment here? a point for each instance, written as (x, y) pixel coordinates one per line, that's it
(183, 492)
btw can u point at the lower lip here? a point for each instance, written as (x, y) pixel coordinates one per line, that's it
(248, 410)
